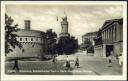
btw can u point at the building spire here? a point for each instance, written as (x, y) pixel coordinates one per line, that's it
(57, 18)
(65, 15)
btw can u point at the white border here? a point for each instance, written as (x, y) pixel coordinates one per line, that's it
(64, 77)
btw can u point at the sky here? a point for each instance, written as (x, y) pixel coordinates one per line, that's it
(82, 18)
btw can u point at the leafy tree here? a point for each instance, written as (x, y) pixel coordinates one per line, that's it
(50, 41)
(10, 35)
(67, 45)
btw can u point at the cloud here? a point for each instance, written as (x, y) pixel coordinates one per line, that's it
(82, 18)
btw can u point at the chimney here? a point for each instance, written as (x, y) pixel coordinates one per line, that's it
(27, 24)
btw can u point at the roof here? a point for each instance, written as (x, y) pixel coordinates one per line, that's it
(90, 33)
(110, 22)
(30, 33)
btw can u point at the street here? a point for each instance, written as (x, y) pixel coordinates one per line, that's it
(89, 65)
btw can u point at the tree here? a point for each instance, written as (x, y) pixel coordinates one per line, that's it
(67, 45)
(50, 41)
(10, 35)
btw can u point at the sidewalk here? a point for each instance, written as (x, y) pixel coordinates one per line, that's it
(92, 65)
(89, 65)
(99, 66)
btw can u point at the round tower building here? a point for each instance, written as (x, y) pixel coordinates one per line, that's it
(64, 27)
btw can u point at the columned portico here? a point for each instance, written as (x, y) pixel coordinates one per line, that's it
(112, 38)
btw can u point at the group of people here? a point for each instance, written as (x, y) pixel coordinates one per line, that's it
(67, 62)
(68, 65)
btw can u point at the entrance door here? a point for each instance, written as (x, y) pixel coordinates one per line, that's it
(109, 48)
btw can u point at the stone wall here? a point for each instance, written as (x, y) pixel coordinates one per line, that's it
(32, 42)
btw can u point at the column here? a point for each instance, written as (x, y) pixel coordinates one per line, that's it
(115, 33)
(105, 36)
(118, 31)
(104, 50)
(108, 34)
(112, 34)
(102, 35)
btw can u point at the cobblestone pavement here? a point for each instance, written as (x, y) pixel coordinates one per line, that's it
(89, 65)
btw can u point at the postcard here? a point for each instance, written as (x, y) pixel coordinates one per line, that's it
(63, 40)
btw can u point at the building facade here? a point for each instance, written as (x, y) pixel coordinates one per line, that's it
(89, 36)
(88, 43)
(31, 40)
(110, 38)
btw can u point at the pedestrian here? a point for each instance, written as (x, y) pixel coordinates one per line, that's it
(54, 60)
(120, 59)
(117, 56)
(16, 66)
(67, 63)
(109, 60)
(77, 62)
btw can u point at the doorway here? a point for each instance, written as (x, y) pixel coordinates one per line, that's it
(109, 48)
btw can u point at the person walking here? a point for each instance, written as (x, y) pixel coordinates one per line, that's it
(67, 63)
(110, 60)
(54, 60)
(77, 62)
(16, 66)
(120, 59)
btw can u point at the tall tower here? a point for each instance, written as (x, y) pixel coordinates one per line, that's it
(64, 27)
(27, 24)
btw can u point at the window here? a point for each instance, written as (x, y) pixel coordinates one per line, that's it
(20, 39)
(36, 39)
(22, 50)
(33, 46)
(26, 39)
(31, 39)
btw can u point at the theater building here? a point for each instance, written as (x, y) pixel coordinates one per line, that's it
(109, 39)
(31, 40)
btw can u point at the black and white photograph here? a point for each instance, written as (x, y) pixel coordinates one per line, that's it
(64, 38)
